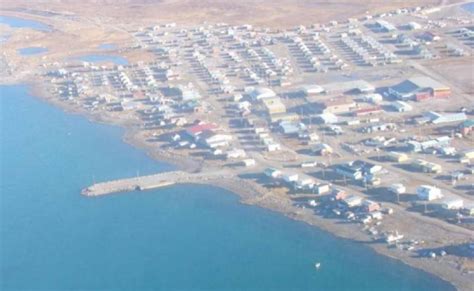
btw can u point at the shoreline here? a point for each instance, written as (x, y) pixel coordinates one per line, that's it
(256, 195)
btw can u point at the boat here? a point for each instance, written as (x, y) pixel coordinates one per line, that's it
(317, 265)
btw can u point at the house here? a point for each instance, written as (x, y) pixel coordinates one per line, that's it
(128, 105)
(379, 141)
(349, 87)
(188, 93)
(385, 26)
(352, 201)
(401, 106)
(380, 127)
(448, 151)
(277, 117)
(195, 130)
(370, 206)
(236, 154)
(368, 111)
(469, 211)
(313, 90)
(453, 204)
(309, 136)
(273, 105)
(336, 105)
(322, 149)
(397, 188)
(289, 177)
(244, 105)
(397, 157)
(289, 128)
(367, 168)
(193, 106)
(349, 170)
(339, 194)
(467, 154)
(426, 167)
(466, 127)
(214, 140)
(428, 36)
(419, 88)
(249, 162)
(321, 188)
(414, 25)
(237, 97)
(429, 193)
(438, 118)
(273, 147)
(416, 146)
(260, 93)
(371, 179)
(373, 98)
(272, 173)
(304, 182)
(327, 118)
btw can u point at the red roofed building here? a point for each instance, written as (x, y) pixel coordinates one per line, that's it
(195, 130)
(339, 194)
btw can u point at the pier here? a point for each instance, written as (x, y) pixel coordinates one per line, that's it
(148, 182)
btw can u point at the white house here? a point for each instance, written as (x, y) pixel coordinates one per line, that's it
(289, 177)
(322, 188)
(429, 193)
(373, 98)
(260, 93)
(216, 140)
(453, 203)
(401, 106)
(236, 153)
(305, 182)
(272, 173)
(397, 188)
(352, 201)
(327, 118)
(249, 162)
(313, 90)
(272, 147)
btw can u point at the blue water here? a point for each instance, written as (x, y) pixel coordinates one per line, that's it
(179, 238)
(118, 60)
(16, 22)
(107, 46)
(30, 51)
(469, 7)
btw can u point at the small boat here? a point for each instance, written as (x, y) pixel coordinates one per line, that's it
(317, 265)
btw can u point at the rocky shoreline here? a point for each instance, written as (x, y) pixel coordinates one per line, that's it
(252, 193)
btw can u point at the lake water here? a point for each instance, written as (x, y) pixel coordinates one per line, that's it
(107, 46)
(179, 238)
(16, 22)
(469, 7)
(30, 51)
(118, 60)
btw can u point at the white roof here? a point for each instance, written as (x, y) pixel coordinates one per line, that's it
(260, 93)
(426, 82)
(313, 89)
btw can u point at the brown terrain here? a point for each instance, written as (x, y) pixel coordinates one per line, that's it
(275, 13)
